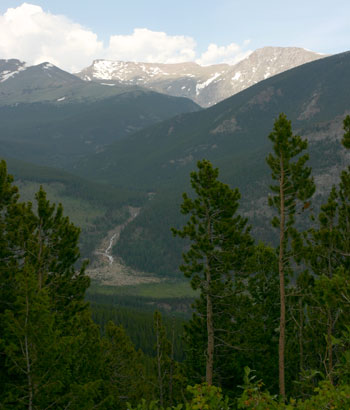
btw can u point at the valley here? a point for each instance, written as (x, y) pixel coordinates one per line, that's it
(174, 205)
(135, 151)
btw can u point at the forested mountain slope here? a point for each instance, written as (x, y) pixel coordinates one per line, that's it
(233, 135)
(58, 133)
(94, 207)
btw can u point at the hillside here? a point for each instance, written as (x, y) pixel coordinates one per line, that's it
(96, 208)
(206, 85)
(233, 135)
(57, 134)
(20, 83)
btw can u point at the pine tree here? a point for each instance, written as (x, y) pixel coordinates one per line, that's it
(163, 349)
(220, 244)
(258, 317)
(54, 252)
(170, 381)
(31, 346)
(346, 138)
(13, 229)
(294, 185)
(50, 349)
(328, 256)
(127, 379)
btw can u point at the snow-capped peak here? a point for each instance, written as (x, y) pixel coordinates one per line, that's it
(10, 68)
(206, 85)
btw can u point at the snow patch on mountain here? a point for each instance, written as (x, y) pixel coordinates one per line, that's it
(200, 86)
(236, 76)
(206, 85)
(6, 74)
(47, 66)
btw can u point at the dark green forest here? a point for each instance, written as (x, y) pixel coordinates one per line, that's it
(269, 328)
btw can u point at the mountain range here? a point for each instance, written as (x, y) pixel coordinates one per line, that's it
(21, 83)
(206, 85)
(233, 135)
(51, 117)
(154, 159)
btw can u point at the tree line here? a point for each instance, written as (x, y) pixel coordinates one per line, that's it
(282, 312)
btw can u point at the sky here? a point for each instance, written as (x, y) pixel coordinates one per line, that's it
(72, 33)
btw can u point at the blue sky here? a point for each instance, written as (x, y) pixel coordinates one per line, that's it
(233, 28)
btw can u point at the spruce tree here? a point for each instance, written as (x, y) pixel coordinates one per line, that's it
(32, 347)
(328, 257)
(55, 253)
(13, 228)
(127, 379)
(220, 244)
(49, 348)
(294, 185)
(346, 137)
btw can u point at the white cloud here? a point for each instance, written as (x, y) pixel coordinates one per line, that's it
(230, 54)
(33, 35)
(151, 46)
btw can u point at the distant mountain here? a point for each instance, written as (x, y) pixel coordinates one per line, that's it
(20, 83)
(51, 117)
(9, 68)
(58, 134)
(233, 135)
(206, 85)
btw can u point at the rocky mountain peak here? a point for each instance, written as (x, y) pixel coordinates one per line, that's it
(206, 85)
(9, 68)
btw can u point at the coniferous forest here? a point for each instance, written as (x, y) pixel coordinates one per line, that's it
(270, 328)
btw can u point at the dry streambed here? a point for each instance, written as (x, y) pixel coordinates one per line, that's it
(111, 271)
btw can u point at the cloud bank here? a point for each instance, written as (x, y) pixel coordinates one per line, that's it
(230, 54)
(30, 34)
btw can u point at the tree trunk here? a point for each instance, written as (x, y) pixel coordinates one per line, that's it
(159, 365)
(210, 324)
(281, 346)
(210, 332)
(330, 346)
(301, 328)
(40, 272)
(27, 357)
(171, 372)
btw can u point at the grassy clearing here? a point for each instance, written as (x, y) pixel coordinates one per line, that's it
(81, 213)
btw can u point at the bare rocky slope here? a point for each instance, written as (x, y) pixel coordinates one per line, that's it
(206, 85)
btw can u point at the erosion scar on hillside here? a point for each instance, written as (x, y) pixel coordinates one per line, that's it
(110, 271)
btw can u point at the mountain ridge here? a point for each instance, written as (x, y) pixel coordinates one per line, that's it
(206, 85)
(233, 135)
(44, 82)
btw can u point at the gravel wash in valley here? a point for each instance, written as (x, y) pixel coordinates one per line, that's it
(111, 271)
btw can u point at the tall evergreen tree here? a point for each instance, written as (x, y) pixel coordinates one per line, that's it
(346, 137)
(54, 252)
(328, 256)
(126, 375)
(220, 244)
(32, 347)
(294, 185)
(49, 347)
(13, 228)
